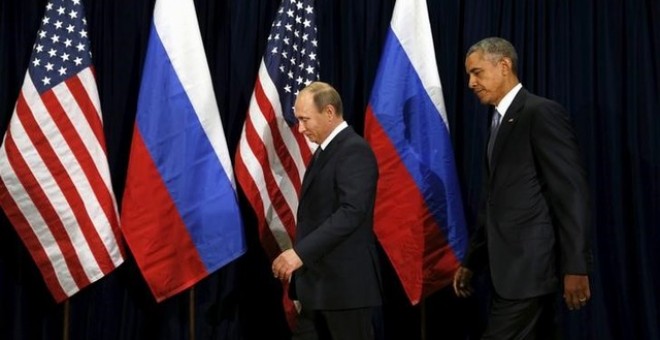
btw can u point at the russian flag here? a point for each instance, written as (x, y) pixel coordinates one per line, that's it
(180, 214)
(419, 217)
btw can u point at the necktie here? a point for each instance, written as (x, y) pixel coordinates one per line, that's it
(494, 126)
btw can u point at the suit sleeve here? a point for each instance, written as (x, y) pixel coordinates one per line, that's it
(565, 187)
(477, 255)
(355, 188)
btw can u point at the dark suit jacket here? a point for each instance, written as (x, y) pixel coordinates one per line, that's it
(534, 215)
(334, 234)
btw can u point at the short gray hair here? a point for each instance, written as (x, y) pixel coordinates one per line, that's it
(494, 49)
(324, 94)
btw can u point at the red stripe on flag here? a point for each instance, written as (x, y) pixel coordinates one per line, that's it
(419, 252)
(81, 96)
(53, 163)
(277, 199)
(30, 240)
(156, 233)
(284, 154)
(46, 209)
(260, 152)
(101, 191)
(252, 194)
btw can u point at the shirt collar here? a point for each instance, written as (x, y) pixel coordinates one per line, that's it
(332, 134)
(507, 100)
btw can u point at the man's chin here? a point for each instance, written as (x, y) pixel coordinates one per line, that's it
(484, 100)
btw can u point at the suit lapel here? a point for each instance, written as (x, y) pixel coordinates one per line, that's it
(508, 122)
(325, 155)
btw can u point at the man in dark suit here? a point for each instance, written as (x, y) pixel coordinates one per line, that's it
(533, 220)
(334, 261)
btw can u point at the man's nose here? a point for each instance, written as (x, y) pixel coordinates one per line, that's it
(472, 81)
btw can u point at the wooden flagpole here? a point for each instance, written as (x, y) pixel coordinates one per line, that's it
(191, 312)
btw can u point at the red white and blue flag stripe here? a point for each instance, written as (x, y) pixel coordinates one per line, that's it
(180, 213)
(54, 177)
(419, 218)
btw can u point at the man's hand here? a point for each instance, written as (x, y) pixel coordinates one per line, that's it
(576, 291)
(462, 284)
(285, 264)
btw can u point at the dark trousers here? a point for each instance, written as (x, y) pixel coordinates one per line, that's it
(524, 319)
(354, 324)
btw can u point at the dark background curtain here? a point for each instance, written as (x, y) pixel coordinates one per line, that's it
(600, 59)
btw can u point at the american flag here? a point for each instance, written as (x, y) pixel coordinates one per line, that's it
(272, 155)
(54, 178)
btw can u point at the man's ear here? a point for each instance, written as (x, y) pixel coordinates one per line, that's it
(507, 65)
(330, 111)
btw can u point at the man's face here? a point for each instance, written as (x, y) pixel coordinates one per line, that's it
(314, 124)
(486, 78)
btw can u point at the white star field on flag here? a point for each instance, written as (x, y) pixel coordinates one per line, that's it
(291, 52)
(62, 46)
